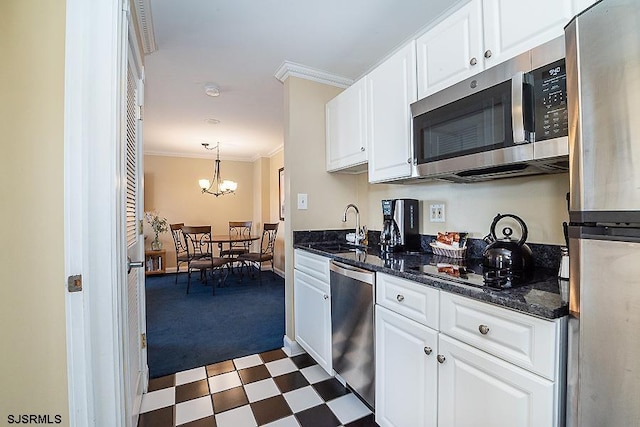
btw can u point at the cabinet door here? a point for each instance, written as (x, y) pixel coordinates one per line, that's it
(346, 129)
(312, 313)
(391, 88)
(451, 51)
(477, 389)
(406, 376)
(512, 27)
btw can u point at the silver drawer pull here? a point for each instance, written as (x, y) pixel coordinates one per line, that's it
(441, 358)
(484, 329)
(427, 350)
(400, 297)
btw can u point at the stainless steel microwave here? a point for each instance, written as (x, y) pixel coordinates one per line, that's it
(508, 120)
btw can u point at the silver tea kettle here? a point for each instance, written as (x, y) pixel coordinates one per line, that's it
(506, 253)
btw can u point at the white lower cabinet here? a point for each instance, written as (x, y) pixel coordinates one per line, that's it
(406, 371)
(477, 389)
(489, 373)
(312, 307)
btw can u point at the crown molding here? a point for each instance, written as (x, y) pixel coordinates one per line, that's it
(197, 156)
(145, 24)
(291, 69)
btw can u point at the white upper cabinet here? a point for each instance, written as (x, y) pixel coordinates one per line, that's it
(391, 88)
(484, 33)
(515, 26)
(451, 51)
(346, 139)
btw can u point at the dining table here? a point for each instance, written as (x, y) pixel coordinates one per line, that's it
(221, 239)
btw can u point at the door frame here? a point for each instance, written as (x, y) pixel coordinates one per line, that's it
(96, 32)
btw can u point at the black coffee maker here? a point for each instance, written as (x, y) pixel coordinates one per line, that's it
(400, 226)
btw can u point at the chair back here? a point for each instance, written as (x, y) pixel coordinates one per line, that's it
(178, 238)
(198, 240)
(240, 228)
(268, 240)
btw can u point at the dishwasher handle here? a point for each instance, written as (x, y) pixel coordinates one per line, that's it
(352, 272)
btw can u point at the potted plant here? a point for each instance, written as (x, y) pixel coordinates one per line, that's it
(159, 225)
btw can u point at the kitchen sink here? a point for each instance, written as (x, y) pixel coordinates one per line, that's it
(336, 248)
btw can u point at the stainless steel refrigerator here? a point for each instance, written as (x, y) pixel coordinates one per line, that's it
(603, 87)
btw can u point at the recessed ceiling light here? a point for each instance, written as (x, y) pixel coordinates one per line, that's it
(211, 89)
(212, 121)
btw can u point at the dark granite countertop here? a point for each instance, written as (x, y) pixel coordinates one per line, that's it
(541, 296)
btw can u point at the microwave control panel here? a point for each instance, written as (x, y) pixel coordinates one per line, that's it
(550, 94)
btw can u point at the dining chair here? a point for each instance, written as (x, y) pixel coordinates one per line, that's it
(237, 228)
(182, 257)
(267, 245)
(200, 257)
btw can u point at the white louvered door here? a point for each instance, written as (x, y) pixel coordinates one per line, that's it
(134, 321)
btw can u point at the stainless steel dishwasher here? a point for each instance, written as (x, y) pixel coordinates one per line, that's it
(352, 329)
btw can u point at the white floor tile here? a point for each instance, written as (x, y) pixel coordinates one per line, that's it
(191, 375)
(348, 408)
(302, 398)
(281, 367)
(194, 409)
(290, 421)
(315, 374)
(261, 390)
(247, 361)
(158, 399)
(241, 416)
(224, 382)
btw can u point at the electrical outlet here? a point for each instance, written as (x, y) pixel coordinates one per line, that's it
(436, 213)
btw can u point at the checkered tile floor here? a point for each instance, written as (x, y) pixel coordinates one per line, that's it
(266, 389)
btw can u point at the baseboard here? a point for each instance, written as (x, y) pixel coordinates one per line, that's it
(292, 348)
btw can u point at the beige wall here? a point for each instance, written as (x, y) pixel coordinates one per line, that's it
(540, 201)
(33, 355)
(304, 165)
(171, 188)
(276, 162)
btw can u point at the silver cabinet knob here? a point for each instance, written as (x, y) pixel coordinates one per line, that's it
(400, 298)
(427, 350)
(409, 160)
(488, 54)
(326, 296)
(361, 148)
(441, 358)
(473, 61)
(484, 329)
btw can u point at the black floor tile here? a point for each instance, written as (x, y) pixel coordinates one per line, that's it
(191, 390)
(162, 382)
(318, 416)
(330, 389)
(303, 360)
(229, 399)
(202, 422)
(368, 421)
(270, 356)
(291, 381)
(271, 409)
(220, 368)
(158, 418)
(253, 374)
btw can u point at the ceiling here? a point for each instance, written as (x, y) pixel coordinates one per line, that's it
(239, 45)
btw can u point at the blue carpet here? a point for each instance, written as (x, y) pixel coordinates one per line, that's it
(188, 331)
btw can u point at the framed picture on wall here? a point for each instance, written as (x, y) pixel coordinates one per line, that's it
(281, 192)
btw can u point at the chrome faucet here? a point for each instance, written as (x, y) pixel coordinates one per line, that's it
(360, 233)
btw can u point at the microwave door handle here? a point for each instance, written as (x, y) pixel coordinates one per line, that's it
(518, 110)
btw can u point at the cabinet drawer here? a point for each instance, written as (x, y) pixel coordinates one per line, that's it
(411, 299)
(524, 340)
(314, 265)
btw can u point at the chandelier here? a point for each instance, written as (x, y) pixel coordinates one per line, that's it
(217, 186)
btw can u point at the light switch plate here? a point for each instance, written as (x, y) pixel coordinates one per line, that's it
(302, 201)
